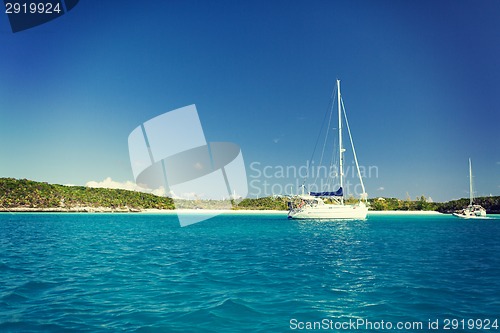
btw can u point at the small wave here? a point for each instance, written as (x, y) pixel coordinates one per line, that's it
(230, 306)
(4, 267)
(36, 286)
(13, 297)
(28, 326)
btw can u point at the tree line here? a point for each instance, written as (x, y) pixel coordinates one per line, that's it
(23, 193)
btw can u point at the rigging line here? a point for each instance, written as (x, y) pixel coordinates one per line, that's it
(353, 150)
(321, 130)
(326, 136)
(329, 181)
(333, 172)
(319, 134)
(328, 176)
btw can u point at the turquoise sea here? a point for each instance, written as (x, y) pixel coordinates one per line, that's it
(247, 273)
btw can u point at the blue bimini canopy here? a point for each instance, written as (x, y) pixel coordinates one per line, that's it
(337, 193)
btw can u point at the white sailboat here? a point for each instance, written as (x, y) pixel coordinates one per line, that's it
(313, 206)
(471, 211)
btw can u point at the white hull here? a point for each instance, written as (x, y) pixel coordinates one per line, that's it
(470, 216)
(331, 212)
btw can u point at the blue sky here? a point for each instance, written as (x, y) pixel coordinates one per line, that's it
(420, 80)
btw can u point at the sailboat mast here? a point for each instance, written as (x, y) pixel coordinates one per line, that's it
(341, 150)
(470, 183)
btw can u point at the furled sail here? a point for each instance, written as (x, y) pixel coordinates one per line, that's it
(337, 193)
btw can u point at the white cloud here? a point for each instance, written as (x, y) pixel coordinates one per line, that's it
(110, 183)
(381, 188)
(128, 185)
(184, 196)
(159, 192)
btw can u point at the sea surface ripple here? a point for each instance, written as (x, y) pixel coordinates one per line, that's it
(144, 273)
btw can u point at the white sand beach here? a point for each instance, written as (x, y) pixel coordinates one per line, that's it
(274, 212)
(403, 212)
(190, 211)
(214, 211)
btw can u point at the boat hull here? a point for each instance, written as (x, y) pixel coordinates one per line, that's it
(462, 216)
(330, 212)
(470, 217)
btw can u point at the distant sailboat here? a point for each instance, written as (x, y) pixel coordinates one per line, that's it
(313, 206)
(471, 211)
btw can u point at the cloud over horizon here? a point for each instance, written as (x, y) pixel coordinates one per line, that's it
(127, 185)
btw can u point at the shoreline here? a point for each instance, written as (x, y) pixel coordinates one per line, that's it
(275, 212)
(405, 212)
(68, 210)
(189, 211)
(215, 211)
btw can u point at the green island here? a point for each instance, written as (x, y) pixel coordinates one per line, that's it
(27, 195)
